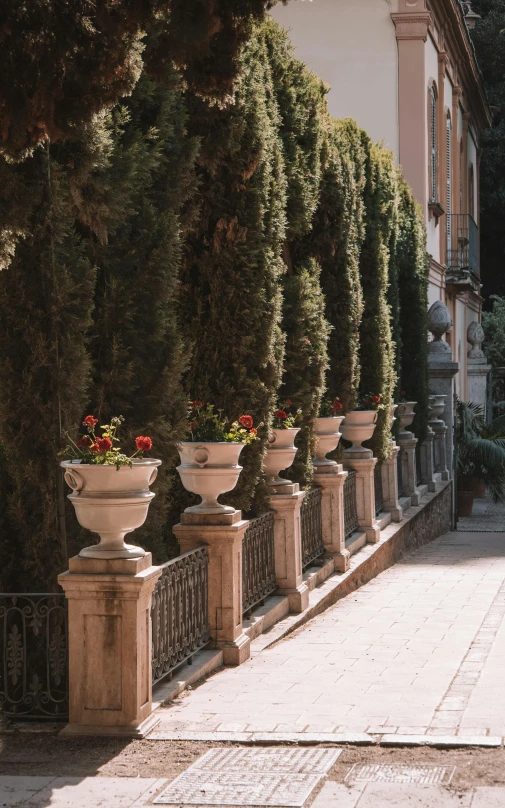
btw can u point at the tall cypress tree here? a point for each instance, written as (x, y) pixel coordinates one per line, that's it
(45, 303)
(137, 350)
(230, 290)
(376, 341)
(303, 117)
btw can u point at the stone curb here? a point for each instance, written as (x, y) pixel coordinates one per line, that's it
(339, 739)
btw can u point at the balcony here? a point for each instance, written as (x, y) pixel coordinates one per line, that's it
(462, 253)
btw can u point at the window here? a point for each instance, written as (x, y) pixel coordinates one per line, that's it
(448, 199)
(433, 143)
(471, 193)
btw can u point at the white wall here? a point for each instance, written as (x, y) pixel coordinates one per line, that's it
(351, 45)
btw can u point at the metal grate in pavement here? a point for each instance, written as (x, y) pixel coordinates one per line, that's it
(240, 777)
(396, 773)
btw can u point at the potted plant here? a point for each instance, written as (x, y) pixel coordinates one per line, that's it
(326, 427)
(110, 490)
(281, 449)
(405, 411)
(359, 423)
(480, 455)
(210, 455)
(437, 407)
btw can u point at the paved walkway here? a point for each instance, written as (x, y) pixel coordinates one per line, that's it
(420, 650)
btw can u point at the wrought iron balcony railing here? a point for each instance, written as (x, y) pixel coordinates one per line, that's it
(462, 252)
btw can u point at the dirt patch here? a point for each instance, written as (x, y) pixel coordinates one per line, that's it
(24, 753)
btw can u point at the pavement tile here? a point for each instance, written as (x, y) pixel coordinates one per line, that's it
(442, 741)
(398, 795)
(488, 797)
(99, 792)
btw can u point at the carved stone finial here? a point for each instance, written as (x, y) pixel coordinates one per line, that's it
(475, 336)
(439, 322)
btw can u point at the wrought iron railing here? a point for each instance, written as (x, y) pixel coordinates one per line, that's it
(379, 493)
(399, 473)
(179, 611)
(258, 561)
(34, 669)
(463, 251)
(350, 508)
(311, 526)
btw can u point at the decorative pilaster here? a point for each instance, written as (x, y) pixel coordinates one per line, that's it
(389, 470)
(442, 370)
(109, 645)
(332, 506)
(440, 448)
(365, 490)
(477, 368)
(407, 443)
(427, 464)
(288, 546)
(223, 534)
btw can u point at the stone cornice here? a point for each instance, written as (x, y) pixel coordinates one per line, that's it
(412, 26)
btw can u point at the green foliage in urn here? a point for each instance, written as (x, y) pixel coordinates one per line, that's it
(137, 348)
(411, 261)
(303, 117)
(45, 312)
(231, 281)
(376, 341)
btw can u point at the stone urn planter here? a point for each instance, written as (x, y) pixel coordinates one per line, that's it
(327, 439)
(359, 426)
(406, 414)
(438, 406)
(392, 419)
(111, 502)
(465, 503)
(209, 469)
(281, 451)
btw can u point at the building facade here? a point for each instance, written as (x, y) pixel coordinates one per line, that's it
(406, 71)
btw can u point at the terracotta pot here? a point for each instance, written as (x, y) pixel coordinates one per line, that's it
(327, 439)
(209, 469)
(359, 426)
(111, 502)
(281, 451)
(479, 487)
(465, 503)
(406, 414)
(438, 407)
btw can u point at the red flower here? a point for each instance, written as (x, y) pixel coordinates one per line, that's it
(102, 445)
(403, 394)
(280, 414)
(253, 430)
(90, 421)
(337, 405)
(195, 405)
(288, 402)
(85, 442)
(143, 444)
(377, 399)
(246, 421)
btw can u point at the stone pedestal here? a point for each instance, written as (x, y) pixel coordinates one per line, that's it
(439, 428)
(478, 373)
(427, 463)
(442, 370)
(223, 535)
(288, 546)
(109, 635)
(365, 491)
(407, 443)
(332, 483)
(389, 471)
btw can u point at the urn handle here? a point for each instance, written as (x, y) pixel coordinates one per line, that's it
(201, 456)
(153, 476)
(74, 480)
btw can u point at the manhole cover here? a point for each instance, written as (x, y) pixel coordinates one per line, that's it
(267, 777)
(396, 773)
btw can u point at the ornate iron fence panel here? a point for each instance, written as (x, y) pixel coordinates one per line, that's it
(350, 507)
(179, 611)
(311, 526)
(399, 473)
(258, 561)
(34, 670)
(379, 493)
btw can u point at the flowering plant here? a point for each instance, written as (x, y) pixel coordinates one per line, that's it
(99, 450)
(284, 418)
(402, 397)
(369, 401)
(329, 408)
(208, 426)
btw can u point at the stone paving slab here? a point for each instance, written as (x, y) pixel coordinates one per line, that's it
(395, 795)
(79, 792)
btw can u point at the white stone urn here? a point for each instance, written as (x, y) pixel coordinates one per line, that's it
(209, 469)
(359, 426)
(438, 406)
(280, 453)
(111, 502)
(406, 414)
(392, 418)
(327, 438)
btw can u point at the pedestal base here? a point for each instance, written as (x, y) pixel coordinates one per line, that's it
(237, 652)
(298, 598)
(141, 731)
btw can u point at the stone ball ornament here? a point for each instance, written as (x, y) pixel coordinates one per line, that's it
(439, 323)
(475, 336)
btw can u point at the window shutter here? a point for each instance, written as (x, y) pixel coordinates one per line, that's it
(448, 202)
(433, 144)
